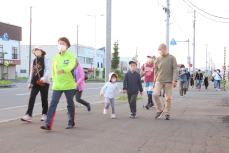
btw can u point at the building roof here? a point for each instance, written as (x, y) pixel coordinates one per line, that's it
(14, 32)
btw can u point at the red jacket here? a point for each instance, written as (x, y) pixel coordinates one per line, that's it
(148, 72)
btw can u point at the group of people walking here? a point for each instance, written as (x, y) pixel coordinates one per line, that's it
(160, 74)
(67, 77)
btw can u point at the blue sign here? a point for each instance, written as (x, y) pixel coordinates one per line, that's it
(173, 42)
(5, 36)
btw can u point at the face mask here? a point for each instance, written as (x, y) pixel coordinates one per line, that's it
(113, 80)
(61, 48)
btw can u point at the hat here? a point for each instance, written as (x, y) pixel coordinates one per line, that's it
(39, 48)
(132, 62)
(151, 56)
(112, 74)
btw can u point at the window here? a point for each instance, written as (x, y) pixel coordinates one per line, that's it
(1, 51)
(98, 65)
(14, 53)
(101, 65)
(89, 60)
(23, 71)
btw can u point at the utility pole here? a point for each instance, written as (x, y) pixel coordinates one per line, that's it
(194, 39)
(188, 58)
(30, 40)
(167, 11)
(206, 57)
(224, 69)
(108, 39)
(77, 43)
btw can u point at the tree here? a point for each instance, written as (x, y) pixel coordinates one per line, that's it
(115, 57)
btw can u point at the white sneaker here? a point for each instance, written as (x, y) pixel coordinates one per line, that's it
(27, 118)
(105, 111)
(43, 117)
(113, 116)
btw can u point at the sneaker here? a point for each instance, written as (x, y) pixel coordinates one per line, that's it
(43, 117)
(45, 127)
(105, 111)
(113, 116)
(132, 116)
(158, 114)
(26, 118)
(167, 117)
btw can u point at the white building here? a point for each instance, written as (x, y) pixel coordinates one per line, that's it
(10, 37)
(89, 58)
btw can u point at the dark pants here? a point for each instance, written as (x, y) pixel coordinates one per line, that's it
(69, 94)
(79, 100)
(132, 102)
(150, 100)
(44, 98)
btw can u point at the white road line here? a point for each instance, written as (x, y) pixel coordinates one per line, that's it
(22, 106)
(16, 118)
(15, 107)
(23, 94)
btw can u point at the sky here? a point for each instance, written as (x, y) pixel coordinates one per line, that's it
(136, 24)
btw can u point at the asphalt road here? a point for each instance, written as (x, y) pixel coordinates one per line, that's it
(14, 101)
(199, 124)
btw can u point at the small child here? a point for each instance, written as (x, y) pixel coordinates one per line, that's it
(132, 85)
(108, 91)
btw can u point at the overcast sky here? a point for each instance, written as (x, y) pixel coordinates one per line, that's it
(136, 24)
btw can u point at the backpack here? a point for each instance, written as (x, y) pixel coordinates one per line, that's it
(74, 76)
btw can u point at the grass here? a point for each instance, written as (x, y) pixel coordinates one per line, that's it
(5, 82)
(21, 78)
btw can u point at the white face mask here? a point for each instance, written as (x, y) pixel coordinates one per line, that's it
(61, 48)
(113, 80)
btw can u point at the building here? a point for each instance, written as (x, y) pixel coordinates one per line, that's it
(10, 37)
(90, 58)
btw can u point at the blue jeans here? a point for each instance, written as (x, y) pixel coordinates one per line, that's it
(199, 82)
(217, 84)
(69, 94)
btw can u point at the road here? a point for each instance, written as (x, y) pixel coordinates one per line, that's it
(14, 101)
(199, 124)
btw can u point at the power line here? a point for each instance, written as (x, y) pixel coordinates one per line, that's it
(210, 14)
(200, 13)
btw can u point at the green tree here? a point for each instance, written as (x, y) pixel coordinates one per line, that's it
(115, 57)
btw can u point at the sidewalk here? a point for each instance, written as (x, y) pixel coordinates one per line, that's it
(199, 124)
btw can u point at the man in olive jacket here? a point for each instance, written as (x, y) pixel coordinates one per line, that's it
(165, 78)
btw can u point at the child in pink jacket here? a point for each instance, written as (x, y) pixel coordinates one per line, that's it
(80, 81)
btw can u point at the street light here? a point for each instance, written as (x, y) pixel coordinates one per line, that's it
(173, 42)
(95, 39)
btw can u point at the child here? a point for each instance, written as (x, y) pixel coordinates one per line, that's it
(80, 81)
(147, 70)
(132, 85)
(109, 90)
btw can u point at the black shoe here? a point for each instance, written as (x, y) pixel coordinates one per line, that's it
(167, 117)
(158, 114)
(147, 107)
(45, 127)
(89, 107)
(70, 126)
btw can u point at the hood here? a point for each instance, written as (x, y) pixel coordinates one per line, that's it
(110, 75)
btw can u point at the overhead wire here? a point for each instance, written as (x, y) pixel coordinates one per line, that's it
(201, 13)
